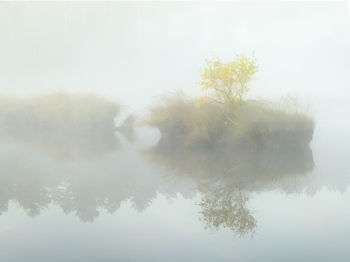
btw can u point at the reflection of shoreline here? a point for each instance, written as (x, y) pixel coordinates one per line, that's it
(35, 181)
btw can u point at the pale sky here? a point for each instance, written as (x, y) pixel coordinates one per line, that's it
(133, 52)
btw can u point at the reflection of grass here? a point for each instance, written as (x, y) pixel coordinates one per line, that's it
(62, 123)
(244, 169)
(250, 124)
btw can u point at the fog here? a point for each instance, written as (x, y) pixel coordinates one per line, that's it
(107, 154)
(135, 52)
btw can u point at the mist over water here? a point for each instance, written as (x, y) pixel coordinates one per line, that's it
(81, 179)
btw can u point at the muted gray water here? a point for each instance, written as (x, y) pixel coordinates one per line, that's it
(107, 198)
(124, 206)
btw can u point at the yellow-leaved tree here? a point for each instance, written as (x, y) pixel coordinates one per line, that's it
(227, 83)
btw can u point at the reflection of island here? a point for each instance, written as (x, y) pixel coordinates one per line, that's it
(225, 178)
(35, 180)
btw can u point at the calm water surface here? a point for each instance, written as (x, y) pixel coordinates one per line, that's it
(114, 198)
(127, 203)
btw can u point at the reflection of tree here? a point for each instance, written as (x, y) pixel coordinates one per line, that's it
(226, 208)
(222, 175)
(31, 193)
(86, 187)
(225, 179)
(64, 127)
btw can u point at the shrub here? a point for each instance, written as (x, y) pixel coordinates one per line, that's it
(254, 125)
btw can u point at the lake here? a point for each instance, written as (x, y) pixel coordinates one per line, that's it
(107, 195)
(128, 204)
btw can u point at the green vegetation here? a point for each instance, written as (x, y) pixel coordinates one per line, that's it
(57, 112)
(64, 124)
(254, 126)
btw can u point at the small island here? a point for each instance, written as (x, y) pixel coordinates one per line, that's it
(61, 124)
(223, 119)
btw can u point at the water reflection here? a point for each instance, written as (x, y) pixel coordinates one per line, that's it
(73, 158)
(226, 177)
(85, 186)
(226, 208)
(34, 178)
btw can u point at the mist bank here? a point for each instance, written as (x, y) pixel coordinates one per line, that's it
(62, 124)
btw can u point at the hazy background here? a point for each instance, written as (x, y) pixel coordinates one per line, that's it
(133, 52)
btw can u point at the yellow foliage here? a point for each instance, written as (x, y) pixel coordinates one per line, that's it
(226, 83)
